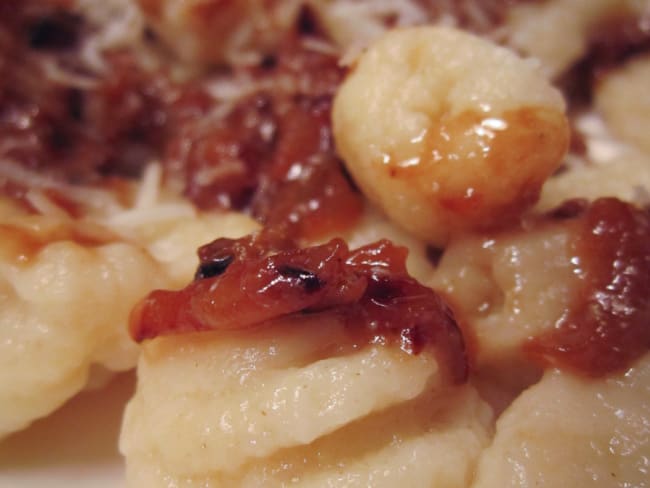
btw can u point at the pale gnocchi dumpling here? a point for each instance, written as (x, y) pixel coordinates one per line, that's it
(508, 288)
(294, 403)
(67, 287)
(445, 131)
(570, 431)
(353, 25)
(65, 302)
(173, 241)
(558, 32)
(626, 175)
(623, 100)
(566, 289)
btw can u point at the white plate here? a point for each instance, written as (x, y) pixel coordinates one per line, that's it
(76, 446)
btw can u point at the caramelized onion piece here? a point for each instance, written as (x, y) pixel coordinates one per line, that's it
(248, 282)
(609, 325)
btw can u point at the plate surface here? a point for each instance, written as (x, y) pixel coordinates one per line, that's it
(76, 446)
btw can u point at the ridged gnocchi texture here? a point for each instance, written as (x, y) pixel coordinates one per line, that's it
(447, 132)
(568, 431)
(67, 287)
(296, 404)
(65, 301)
(506, 288)
(623, 99)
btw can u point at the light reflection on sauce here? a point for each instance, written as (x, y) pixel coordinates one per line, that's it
(483, 167)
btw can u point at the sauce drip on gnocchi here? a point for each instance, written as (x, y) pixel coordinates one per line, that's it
(243, 284)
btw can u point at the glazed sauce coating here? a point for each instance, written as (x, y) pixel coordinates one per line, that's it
(609, 325)
(489, 151)
(244, 283)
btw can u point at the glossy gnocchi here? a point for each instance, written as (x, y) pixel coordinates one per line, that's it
(447, 132)
(606, 448)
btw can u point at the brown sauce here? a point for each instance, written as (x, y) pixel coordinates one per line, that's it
(38, 125)
(272, 155)
(248, 282)
(608, 327)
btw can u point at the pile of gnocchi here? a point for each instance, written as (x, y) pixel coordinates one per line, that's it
(501, 147)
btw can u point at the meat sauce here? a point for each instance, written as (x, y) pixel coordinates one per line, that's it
(608, 326)
(271, 155)
(245, 283)
(40, 120)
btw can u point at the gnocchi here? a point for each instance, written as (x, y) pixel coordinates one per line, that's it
(65, 304)
(337, 138)
(558, 32)
(607, 447)
(446, 132)
(622, 98)
(295, 405)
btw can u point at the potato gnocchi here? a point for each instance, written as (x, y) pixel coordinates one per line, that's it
(68, 287)
(447, 132)
(292, 405)
(606, 447)
(65, 305)
(354, 242)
